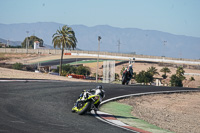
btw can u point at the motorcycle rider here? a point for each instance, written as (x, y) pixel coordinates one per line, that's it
(96, 91)
(130, 70)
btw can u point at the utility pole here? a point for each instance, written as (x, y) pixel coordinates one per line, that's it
(27, 42)
(99, 38)
(164, 42)
(118, 45)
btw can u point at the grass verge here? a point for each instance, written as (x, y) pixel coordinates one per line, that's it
(123, 113)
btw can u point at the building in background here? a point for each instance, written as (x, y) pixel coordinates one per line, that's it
(37, 45)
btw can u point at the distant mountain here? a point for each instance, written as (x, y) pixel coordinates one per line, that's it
(12, 43)
(132, 40)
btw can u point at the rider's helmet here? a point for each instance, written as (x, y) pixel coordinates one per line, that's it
(99, 87)
(102, 92)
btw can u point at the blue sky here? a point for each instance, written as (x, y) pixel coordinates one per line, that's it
(181, 17)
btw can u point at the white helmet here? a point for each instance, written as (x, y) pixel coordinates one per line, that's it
(130, 66)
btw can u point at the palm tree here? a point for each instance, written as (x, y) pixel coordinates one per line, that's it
(180, 72)
(165, 70)
(153, 71)
(64, 38)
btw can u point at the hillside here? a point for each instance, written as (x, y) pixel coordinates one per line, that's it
(133, 40)
(12, 43)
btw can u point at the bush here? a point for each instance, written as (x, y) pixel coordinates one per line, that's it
(192, 79)
(66, 69)
(164, 76)
(83, 70)
(17, 66)
(69, 69)
(116, 76)
(121, 72)
(176, 81)
(144, 77)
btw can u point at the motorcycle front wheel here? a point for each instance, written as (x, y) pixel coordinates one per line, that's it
(84, 108)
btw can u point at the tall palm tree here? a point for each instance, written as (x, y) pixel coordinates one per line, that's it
(165, 70)
(64, 38)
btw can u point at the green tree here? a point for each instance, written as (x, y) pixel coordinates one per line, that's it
(121, 72)
(176, 79)
(64, 38)
(83, 70)
(31, 41)
(165, 70)
(144, 77)
(180, 73)
(153, 71)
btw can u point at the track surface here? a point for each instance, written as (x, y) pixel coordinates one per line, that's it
(65, 61)
(45, 106)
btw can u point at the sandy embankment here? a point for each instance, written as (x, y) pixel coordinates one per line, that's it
(178, 112)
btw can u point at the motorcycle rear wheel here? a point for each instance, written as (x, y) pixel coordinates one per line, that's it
(123, 81)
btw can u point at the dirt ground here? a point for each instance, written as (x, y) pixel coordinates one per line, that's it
(178, 112)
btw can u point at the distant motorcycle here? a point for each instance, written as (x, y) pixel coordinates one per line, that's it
(125, 78)
(89, 100)
(127, 74)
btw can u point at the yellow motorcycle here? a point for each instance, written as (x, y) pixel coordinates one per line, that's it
(89, 100)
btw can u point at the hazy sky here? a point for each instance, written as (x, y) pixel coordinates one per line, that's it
(180, 17)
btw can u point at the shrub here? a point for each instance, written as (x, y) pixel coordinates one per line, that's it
(116, 76)
(176, 81)
(144, 77)
(83, 70)
(121, 72)
(17, 66)
(164, 76)
(69, 69)
(192, 79)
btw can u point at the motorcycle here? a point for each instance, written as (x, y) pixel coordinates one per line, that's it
(126, 77)
(89, 100)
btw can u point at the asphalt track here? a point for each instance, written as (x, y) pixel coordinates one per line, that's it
(45, 106)
(65, 61)
(70, 60)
